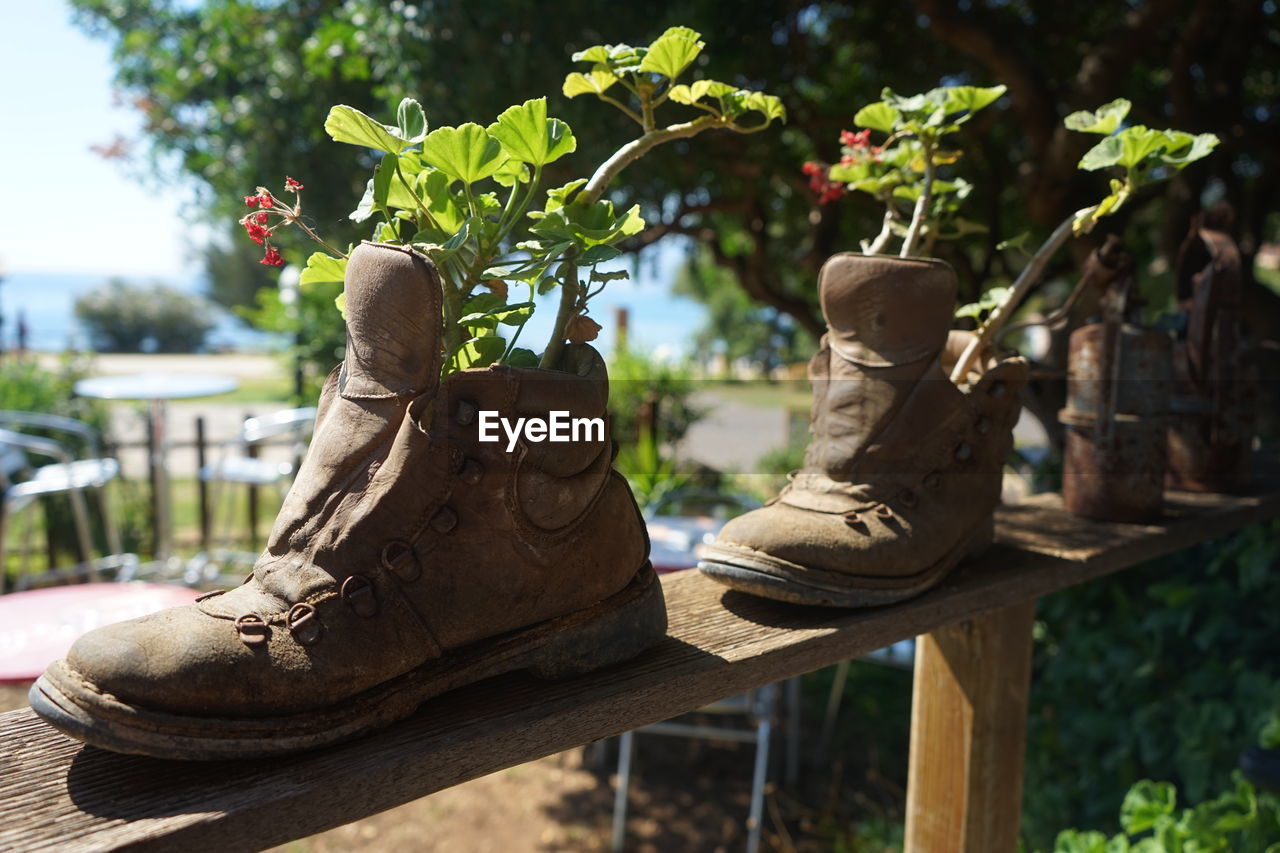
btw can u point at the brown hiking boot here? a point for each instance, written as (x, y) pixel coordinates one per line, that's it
(409, 558)
(904, 468)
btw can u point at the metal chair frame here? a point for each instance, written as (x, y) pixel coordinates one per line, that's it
(237, 466)
(66, 475)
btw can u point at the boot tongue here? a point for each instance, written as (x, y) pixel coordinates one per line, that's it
(885, 311)
(393, 323)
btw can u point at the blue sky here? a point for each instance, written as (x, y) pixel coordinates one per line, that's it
(65, 209)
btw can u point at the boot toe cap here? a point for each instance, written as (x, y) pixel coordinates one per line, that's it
(174, 660)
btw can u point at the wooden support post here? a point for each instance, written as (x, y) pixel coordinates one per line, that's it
(968, 734)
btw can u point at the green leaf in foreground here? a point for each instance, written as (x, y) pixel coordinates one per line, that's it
(526, 133)
(322, 268)
(671, 53)
(1105, 120)
(467, 152)
(348, 124)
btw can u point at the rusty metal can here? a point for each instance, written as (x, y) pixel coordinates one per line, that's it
(1118, 384)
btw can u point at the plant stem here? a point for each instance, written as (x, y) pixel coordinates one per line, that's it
(1029, 276)
(568, 301)
(921, 211)
(637, 148)
(886, 231)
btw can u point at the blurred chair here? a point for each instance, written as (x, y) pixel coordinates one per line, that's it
(759, 708)
(23, 483)
(240, 465)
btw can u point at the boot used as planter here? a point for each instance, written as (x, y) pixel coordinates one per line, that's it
(904, 468)
(409, 558)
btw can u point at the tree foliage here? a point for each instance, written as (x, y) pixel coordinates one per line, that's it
(235, 90)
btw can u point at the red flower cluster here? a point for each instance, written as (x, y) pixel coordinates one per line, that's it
(861, 139)
(291, 185)
(858, 147)
(255, 224)
(827, 190)
(262, 198)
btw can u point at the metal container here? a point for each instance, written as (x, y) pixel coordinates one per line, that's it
(1118, 383)
(1211, 435)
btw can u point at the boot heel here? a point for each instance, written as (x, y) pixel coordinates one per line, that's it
(614, 636)
(982, 539)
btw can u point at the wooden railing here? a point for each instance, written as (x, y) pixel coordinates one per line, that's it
(967, 733)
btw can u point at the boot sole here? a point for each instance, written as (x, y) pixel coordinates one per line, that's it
(615, 630)
(766, 576)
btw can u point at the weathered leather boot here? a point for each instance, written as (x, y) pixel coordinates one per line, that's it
(904, 468)
(409, 558)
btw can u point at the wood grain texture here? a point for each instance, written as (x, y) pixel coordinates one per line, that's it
(968, 734)
(56, 793)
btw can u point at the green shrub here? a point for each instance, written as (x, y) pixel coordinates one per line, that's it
(1165, 671)
(121, 317)
(1240, 821)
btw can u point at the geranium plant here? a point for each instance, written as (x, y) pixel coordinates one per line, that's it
(470, 197)
(903, 170)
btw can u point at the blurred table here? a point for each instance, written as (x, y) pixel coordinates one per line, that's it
(38, 626)
(158, 388)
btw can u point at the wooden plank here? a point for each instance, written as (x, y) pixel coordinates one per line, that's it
(968, 734)
(56, 793)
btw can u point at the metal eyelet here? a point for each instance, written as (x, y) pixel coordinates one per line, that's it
(465, 413)
(398, 558)
(444, 520)
(908, 498)
(932, 480)
(983, 426)
(253, 629)
(303, 623)
(472, 472)
(884, 511)
(963, 452)
(357, 592)
(854, 519)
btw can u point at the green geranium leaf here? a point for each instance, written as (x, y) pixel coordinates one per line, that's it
(671, 53)
(594, 82)
(595, 53)
(1137, 143)
(366, 207)
(348, 124)
(526, 134)
(432, 186)
(598, 255)
(1183, 148)
(521, 357)
(478, 352)
(589, 226)
(970, 99)
(512, 172)
(340, 302)
(1074, 841)
(1106, 153)
(467, 153)
(878, 116)
(411, 121)
(770, 106)
(322, 269)
(1145, 804)
(1105, 120)
(511, 315)
(557, 197)
(699, 89)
